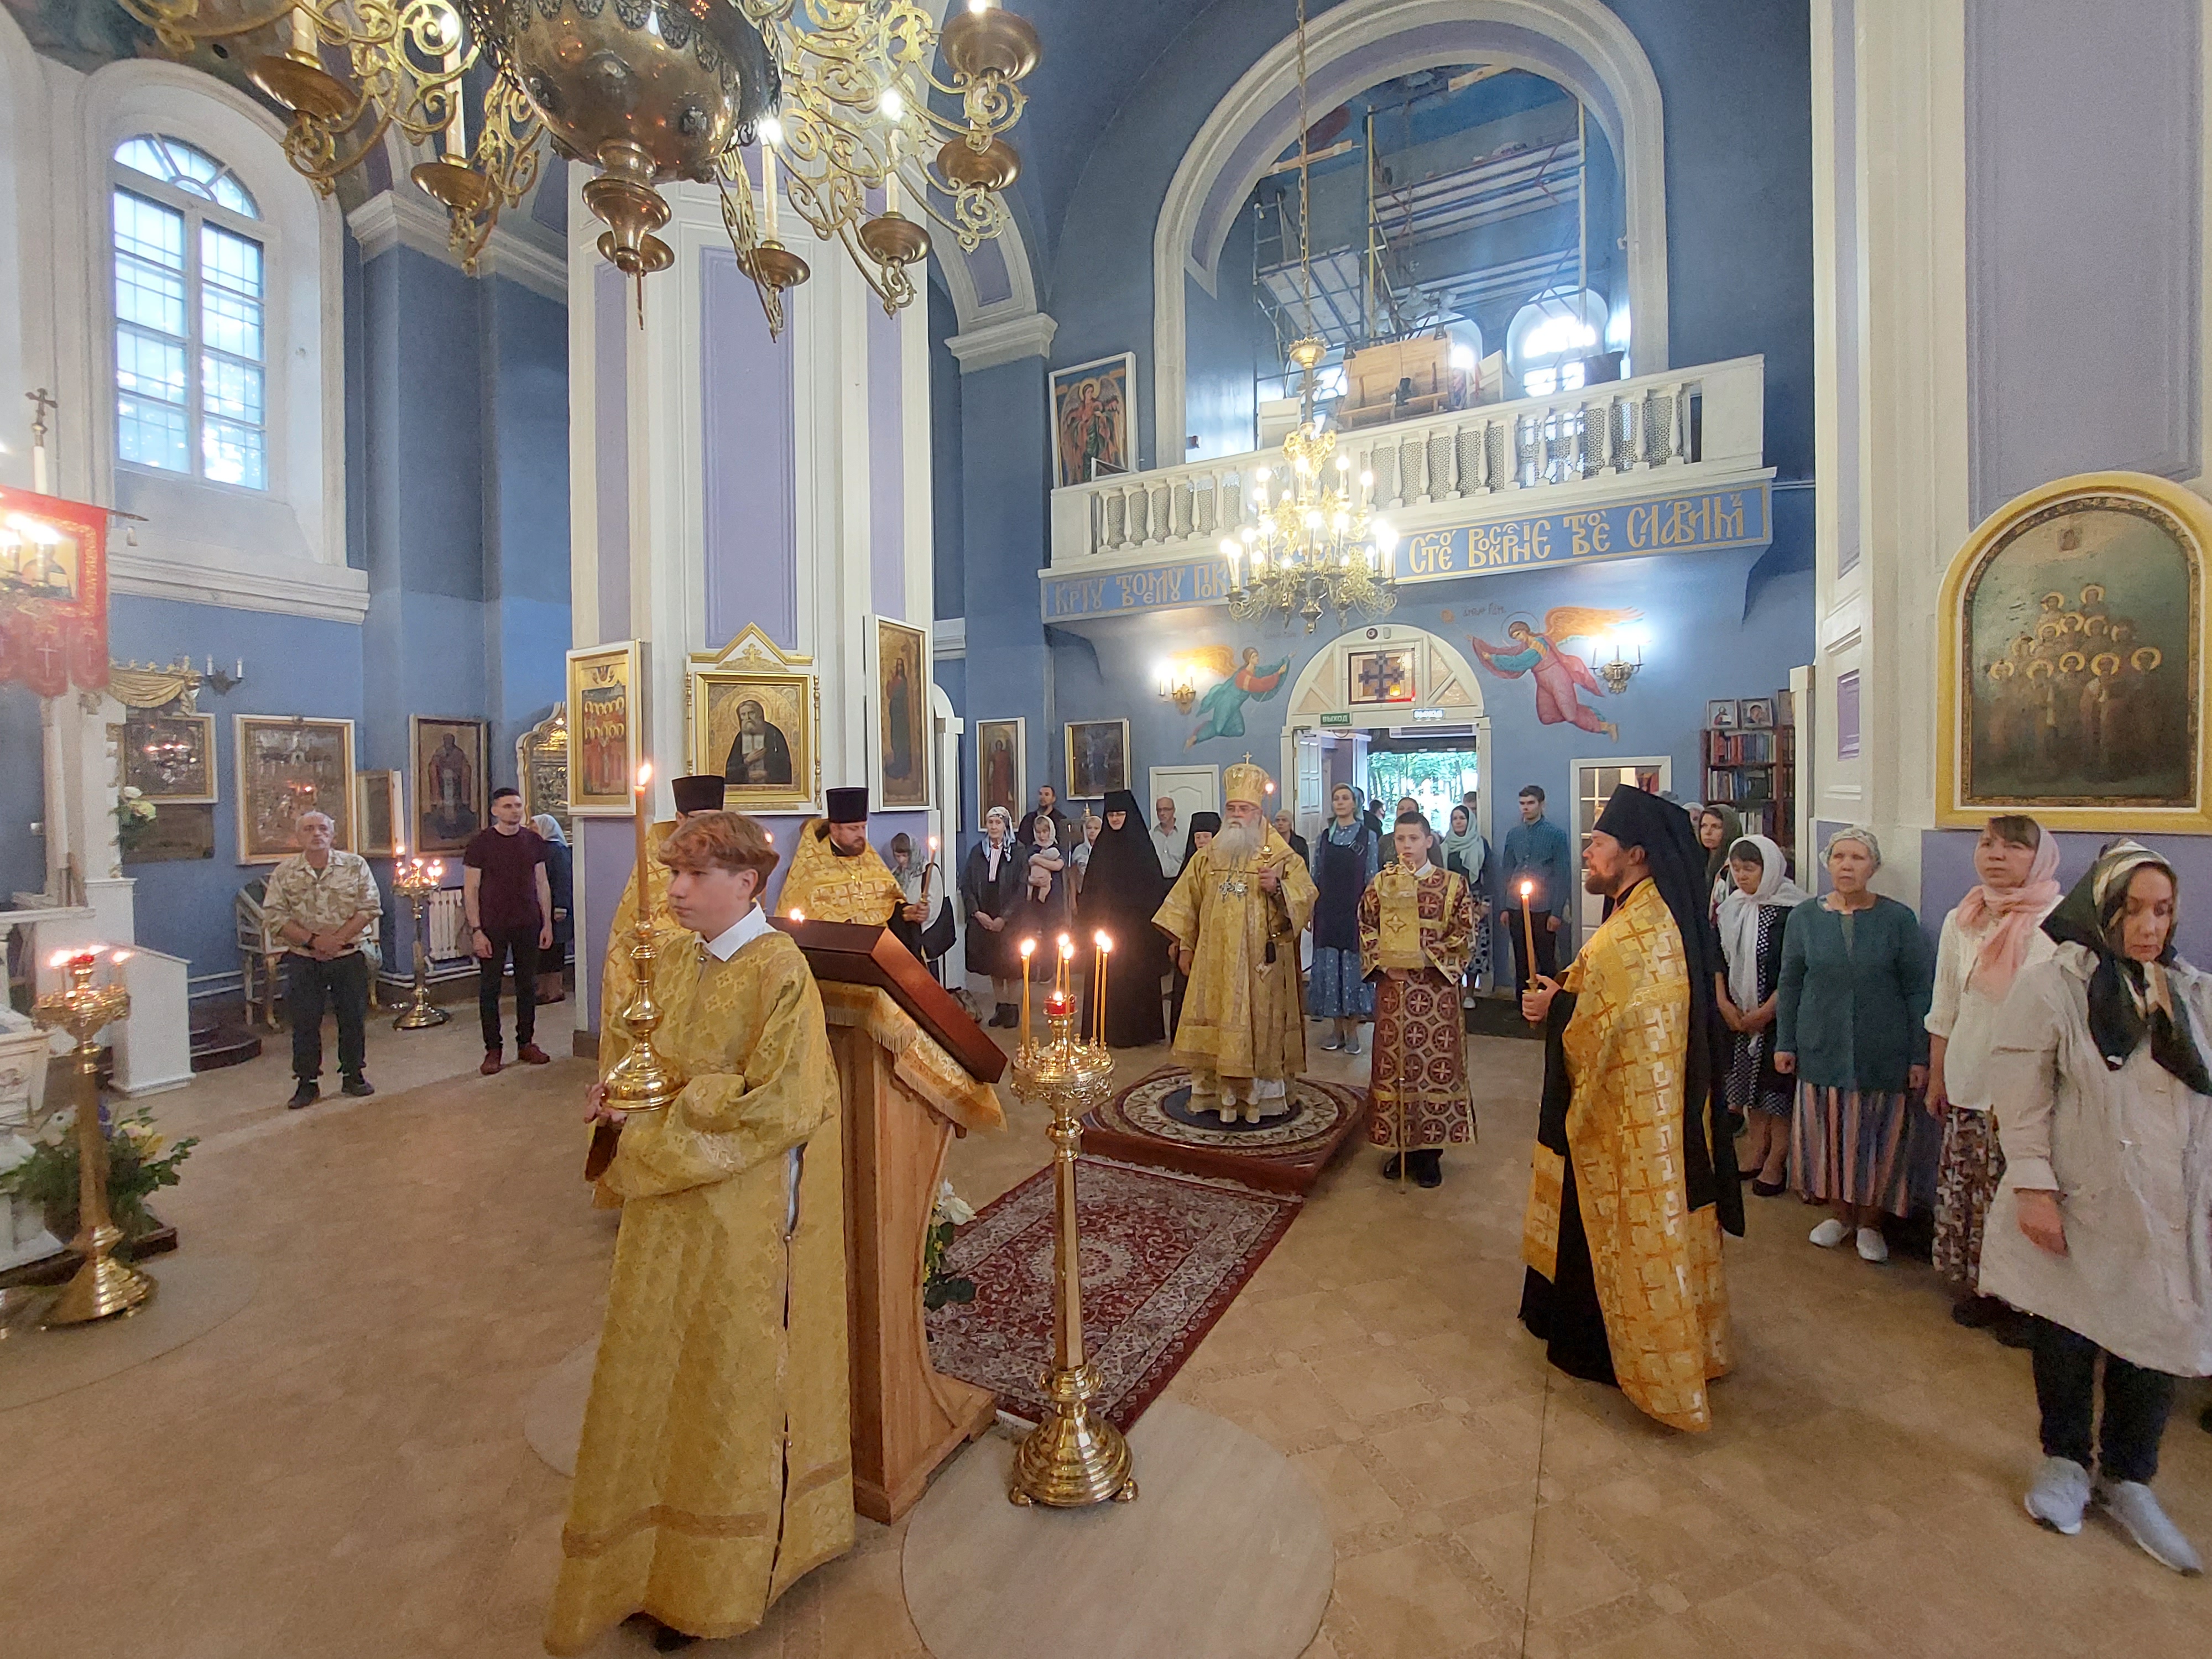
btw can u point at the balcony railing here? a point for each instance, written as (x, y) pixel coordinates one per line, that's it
(1678, 426)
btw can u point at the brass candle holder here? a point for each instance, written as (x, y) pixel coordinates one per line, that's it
(103, 1286)
(1070, 1459)
(415, 881)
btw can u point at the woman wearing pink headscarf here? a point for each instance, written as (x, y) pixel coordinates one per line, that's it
(1996, 931)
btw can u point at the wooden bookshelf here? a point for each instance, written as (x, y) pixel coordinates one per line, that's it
(1754, 770)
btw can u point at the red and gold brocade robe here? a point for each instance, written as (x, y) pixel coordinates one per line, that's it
(1422, 922)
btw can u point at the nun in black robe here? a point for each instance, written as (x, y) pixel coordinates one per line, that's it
(1122, 888)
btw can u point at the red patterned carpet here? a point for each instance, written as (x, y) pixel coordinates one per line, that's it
(1164, 1255)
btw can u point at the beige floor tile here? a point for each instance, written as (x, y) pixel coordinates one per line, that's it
(1406, 1601)
(1369, 1384)
(1352, 1496)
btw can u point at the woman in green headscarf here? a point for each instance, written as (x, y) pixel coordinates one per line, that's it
(2102, 1228)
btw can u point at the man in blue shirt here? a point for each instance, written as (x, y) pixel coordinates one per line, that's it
(1538, 854)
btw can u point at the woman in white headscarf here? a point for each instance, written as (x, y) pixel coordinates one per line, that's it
(1754, 915)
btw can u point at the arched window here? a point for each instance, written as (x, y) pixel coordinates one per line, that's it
(191, 354)
(1549, 337)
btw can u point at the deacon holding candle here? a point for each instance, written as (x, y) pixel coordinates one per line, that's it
(1233, 917)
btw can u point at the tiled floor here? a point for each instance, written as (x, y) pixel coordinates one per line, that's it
(340, 1470)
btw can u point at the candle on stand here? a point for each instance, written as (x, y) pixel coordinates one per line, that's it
(1098, 991)
(1528, 928)
(644, 835)
(1066, 968)
(768, 187)
(1029, 950)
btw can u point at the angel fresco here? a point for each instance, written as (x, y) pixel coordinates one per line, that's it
(1222, 709)
(1557, 672)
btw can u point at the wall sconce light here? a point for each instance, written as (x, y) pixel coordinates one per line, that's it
(221, 681)
(1617, 673)
(1178, 686)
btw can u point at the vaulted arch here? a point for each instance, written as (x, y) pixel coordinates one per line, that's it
(1580, 44)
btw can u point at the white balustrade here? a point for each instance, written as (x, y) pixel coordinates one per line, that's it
(1709, 418)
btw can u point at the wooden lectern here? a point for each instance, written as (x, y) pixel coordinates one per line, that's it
(914, 1070)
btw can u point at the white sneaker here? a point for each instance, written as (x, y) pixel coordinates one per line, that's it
(1830, 1233)
(2059, 1495)
(2131, 1503)
(1873, 1247)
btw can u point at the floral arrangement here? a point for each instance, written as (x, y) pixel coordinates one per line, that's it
(938, 1286)
(133, 813)
(140, 1163)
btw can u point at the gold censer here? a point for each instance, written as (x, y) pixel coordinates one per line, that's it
(103, 1286)
(1072, 1458)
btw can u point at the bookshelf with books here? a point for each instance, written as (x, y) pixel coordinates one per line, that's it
(1753, 769)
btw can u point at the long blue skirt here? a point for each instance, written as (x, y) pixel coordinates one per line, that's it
(1336, 989)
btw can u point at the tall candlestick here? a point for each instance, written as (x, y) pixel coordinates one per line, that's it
(1098, 968)
(1029, 950)
(1066, 957)
(644, 817)
(1528, 928)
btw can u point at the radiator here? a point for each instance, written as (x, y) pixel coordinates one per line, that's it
(447, 925)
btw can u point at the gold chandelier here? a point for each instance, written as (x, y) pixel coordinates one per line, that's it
(1315, 544)
(838, 94)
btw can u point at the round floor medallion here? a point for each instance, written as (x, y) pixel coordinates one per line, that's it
(1228, 1542)
(1161, 1106)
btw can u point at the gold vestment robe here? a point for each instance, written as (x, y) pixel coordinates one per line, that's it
(826, 885)
(1656, 1261)
(1242, 1017)
(716, 1462)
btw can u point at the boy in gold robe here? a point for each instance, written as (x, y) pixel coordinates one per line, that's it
(1635, 1167)
(1416, 924)
(1234, 916)
(703, 793)
(716, 1464)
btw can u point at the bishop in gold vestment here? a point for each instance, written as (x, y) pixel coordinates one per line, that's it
(1242, 1032)
(1634, 1173)
(716, 1463)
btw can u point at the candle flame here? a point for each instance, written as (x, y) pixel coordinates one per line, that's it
(1528, 887)
(1028, 949)
(1102, 941)
(1067, 946)
(644, 775)
(798, 915)
(399, 849)
(121, 957)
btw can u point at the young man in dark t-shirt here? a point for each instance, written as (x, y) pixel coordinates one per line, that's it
(509, 902)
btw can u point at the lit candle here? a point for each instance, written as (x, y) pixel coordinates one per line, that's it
(457, 105)
(1060, 973)
(768, 185)
(644, 820)
(798, 915)
(890, 187)
(1528, 928)
(1029, 950)
(1099, 971)
(926, 870)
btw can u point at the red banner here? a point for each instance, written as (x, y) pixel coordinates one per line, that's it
(53, 592)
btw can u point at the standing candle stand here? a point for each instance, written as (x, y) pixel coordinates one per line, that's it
(1072, 1458)
(103, 1286)
(415, 881)
(640, 1081)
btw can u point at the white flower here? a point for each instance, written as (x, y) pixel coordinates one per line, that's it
(951, 1207)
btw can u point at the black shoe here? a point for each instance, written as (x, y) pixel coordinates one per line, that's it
(1390, 1167)
(2013, 1330)
(1006, 1016)
(1767, 1189)
(1428, 1169)
(306, 1095)
(1975, 1312)
(357, 1085)
(666, 1639)
(2204, 1421)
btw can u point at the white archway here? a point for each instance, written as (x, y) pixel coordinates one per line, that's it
(1580, 44)
(1445, 691)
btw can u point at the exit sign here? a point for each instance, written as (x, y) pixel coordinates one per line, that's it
(1427, 716)
(1336, 719)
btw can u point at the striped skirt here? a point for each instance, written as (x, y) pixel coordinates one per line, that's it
(1848, 1146)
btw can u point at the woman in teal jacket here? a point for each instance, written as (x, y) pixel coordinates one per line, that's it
(1850, 1022)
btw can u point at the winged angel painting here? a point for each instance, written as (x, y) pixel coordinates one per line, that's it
(1221, 710)
(1557, 672)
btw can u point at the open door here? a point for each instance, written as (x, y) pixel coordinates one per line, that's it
(1595, 782)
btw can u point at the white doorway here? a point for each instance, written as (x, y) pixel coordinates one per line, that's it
(1193, 789)
(1595, 782)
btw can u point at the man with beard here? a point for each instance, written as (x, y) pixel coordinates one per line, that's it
(1635, 1170)
(760, 753)
(836, 876)
(1234, 917)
